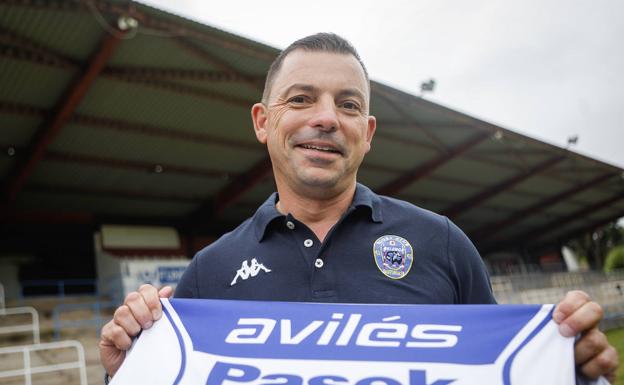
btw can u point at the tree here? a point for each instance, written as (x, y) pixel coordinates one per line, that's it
(596, 244)
(615, 259)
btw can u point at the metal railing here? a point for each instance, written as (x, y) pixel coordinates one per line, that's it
(113, 289)
(20, 328)
(28, 369)
(607, 289)
(94, 322)
(2, 299)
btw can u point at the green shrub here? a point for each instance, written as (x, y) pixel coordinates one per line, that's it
(615, 259)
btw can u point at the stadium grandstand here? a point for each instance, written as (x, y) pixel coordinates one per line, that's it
(127, 146)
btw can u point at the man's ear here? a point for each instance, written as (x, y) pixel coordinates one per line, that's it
(370, 131)
(260, 117)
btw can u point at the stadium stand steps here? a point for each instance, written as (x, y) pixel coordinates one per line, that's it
(87, 336)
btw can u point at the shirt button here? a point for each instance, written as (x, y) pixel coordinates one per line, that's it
(290, 225)
(318, 263)
(308, 243)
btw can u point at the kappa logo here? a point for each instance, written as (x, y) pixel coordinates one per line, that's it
(247, 270)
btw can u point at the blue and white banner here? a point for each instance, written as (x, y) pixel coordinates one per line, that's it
(218, 342)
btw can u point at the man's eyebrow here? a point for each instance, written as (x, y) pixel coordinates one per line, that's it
(299, 87)
(310, 88)
(352, 92)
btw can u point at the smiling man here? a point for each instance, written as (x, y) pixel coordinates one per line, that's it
(314, 120)
(325, 238)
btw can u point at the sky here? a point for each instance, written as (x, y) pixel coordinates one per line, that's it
(548, 69)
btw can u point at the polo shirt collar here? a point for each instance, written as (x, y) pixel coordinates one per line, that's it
(267, 212)
(365, 197)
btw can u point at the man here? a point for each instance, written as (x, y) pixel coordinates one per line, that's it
(325, 238)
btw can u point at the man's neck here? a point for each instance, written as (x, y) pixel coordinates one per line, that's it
(320, 214)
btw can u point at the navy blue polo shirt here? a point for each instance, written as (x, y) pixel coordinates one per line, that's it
(382, 250)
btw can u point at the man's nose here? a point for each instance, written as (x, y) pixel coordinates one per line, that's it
(325, 117)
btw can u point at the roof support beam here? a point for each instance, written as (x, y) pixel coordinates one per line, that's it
(116, 192)
(61, 115)
(557, 223)
(186, 90)
(126, 126)
(48, 217)
(392, 137)
(419, 172)
(594, 225)
(256, 84)
(38, 217)
(19, 109)
(32, 52)
(147, 73)
(398, 124)
(162, 132)
(233, 191)
(127, 75)
(242, 184)
(165, 25)
(153, 167)
(222, 39)
(491, 229)
(247, 180)
(20, 48)
(407, 119)
(575, 216)
(460, 207)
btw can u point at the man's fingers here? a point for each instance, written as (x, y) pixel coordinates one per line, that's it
(593, 355)
(591, 344)
(572, 301)
(124, 318)
(115, 335)
(165, 292)
(605, 362)
(583, 319)
(576, 313)
(110, 355)
(140, 311)
(151, 299)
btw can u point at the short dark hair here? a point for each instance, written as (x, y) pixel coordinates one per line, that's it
(320, 42)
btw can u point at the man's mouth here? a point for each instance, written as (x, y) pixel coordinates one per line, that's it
(320, 148)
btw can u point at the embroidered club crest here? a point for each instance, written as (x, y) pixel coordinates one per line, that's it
(393, 255)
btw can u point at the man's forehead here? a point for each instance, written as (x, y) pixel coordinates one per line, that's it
(305, 67)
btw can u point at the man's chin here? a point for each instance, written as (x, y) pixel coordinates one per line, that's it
(320, 181)
(323, 186)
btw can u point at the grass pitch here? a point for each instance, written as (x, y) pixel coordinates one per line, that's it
(616, 338)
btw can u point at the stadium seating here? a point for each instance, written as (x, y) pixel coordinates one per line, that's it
(74, 360)
(605, 288)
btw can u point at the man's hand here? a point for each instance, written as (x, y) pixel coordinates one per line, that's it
(139, 311)
(593, 355)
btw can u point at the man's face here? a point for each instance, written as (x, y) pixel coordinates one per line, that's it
(316, 124)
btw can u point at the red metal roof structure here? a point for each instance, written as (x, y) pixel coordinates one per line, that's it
(103, 121)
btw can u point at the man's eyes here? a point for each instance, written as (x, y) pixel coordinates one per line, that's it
(297, 99)
(351, 106)
(347, 104)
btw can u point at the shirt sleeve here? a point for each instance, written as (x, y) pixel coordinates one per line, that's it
(468, 269)
(188, 285)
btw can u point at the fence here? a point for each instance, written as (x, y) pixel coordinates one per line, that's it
(605, 288)
(20, 328)
(96, 321)
(28, 369)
